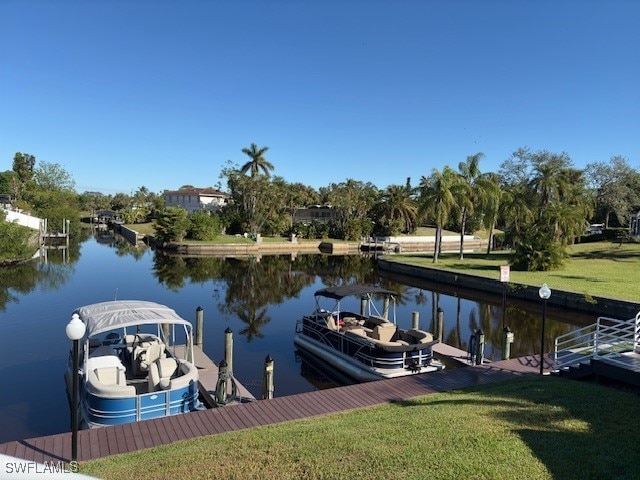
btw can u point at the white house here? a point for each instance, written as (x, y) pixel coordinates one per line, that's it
(195, 199)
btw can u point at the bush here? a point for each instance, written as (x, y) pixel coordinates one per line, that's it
(203, 226)
(538, 252)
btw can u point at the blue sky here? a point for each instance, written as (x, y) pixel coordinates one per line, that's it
(129, 93)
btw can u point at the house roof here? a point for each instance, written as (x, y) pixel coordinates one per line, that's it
(203, 192)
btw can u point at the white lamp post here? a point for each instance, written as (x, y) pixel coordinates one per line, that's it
(545, 293)
(75, 331)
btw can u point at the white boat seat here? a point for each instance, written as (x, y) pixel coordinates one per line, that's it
(111, 376)
(145, 354)
(383, 332)
(160, 373)
(361, 332)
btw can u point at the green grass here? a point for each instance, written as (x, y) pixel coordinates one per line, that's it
(530, 428)
(601, 269)
(147, 229)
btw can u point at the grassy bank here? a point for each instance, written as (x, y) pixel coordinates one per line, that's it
(529, 428)
(602, 269)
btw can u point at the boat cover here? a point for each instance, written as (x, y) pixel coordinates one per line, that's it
(342, 291)
(105, 316)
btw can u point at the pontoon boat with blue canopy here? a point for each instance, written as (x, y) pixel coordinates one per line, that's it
(136, 363)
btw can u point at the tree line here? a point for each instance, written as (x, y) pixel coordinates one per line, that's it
(538, 200)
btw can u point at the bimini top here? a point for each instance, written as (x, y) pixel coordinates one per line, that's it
(342, 291)
(105, 316)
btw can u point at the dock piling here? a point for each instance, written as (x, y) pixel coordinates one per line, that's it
(440, 320)
(267, 382)
(479, 353)
(363, 306)
(385, 308)
(228, 348)
(199, 326)
(507, 340)
(415, 320)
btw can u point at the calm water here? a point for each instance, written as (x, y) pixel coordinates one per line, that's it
(260, 299)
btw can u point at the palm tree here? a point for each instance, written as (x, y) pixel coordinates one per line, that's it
(437, 200)
(399, 208)
(469, 191)
(258, 162)
(491, 206)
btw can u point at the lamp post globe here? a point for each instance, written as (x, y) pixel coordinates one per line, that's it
(544, 293)
(76, 328)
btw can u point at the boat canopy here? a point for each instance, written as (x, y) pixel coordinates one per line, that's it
(342, 291)
(105, 316)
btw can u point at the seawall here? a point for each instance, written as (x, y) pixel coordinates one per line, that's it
(598, 306)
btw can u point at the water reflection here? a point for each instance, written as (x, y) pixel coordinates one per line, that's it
(259, 298)
(247, 287)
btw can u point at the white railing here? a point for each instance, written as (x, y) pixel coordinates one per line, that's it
(607, 338)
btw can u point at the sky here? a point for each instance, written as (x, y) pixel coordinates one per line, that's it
(156, 93)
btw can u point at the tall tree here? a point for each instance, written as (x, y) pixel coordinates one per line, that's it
(437, 200)
(616, 188)
(52, 176)
(353, 201)
(491, 206)
(257, 163)
(398, 210)
(23, 166)
(552, 207)
(471, 192)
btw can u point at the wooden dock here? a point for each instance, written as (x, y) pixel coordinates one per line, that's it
(130, 437)
(208, 377)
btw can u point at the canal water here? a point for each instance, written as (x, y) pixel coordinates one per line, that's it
(258, 298)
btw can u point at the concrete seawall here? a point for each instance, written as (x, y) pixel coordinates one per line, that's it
(598, 306)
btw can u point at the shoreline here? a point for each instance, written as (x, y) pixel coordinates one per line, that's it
(600, 306)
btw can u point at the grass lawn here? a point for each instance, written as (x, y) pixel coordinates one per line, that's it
(147, 229)
(529, 428)
(602, 269)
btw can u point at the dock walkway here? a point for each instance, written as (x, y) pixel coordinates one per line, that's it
(130, 437)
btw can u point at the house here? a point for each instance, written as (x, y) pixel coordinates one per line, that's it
(5, 200)
(317, 213)
(194, 199)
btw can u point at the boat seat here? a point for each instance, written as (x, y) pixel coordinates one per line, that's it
(160, 373)
(331, 323)
(111, 376)
(359, 331)
(418, 336)
(145, 354)
(376, 320)
(383, 332)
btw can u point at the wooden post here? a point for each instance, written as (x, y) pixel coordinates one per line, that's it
(440, 324)
(415, 320)
(479, 347)
(385, 308)
(199, 326)
(228, 349)
(363, 306)
(267, 382)
(507, 340)
(166, 333)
